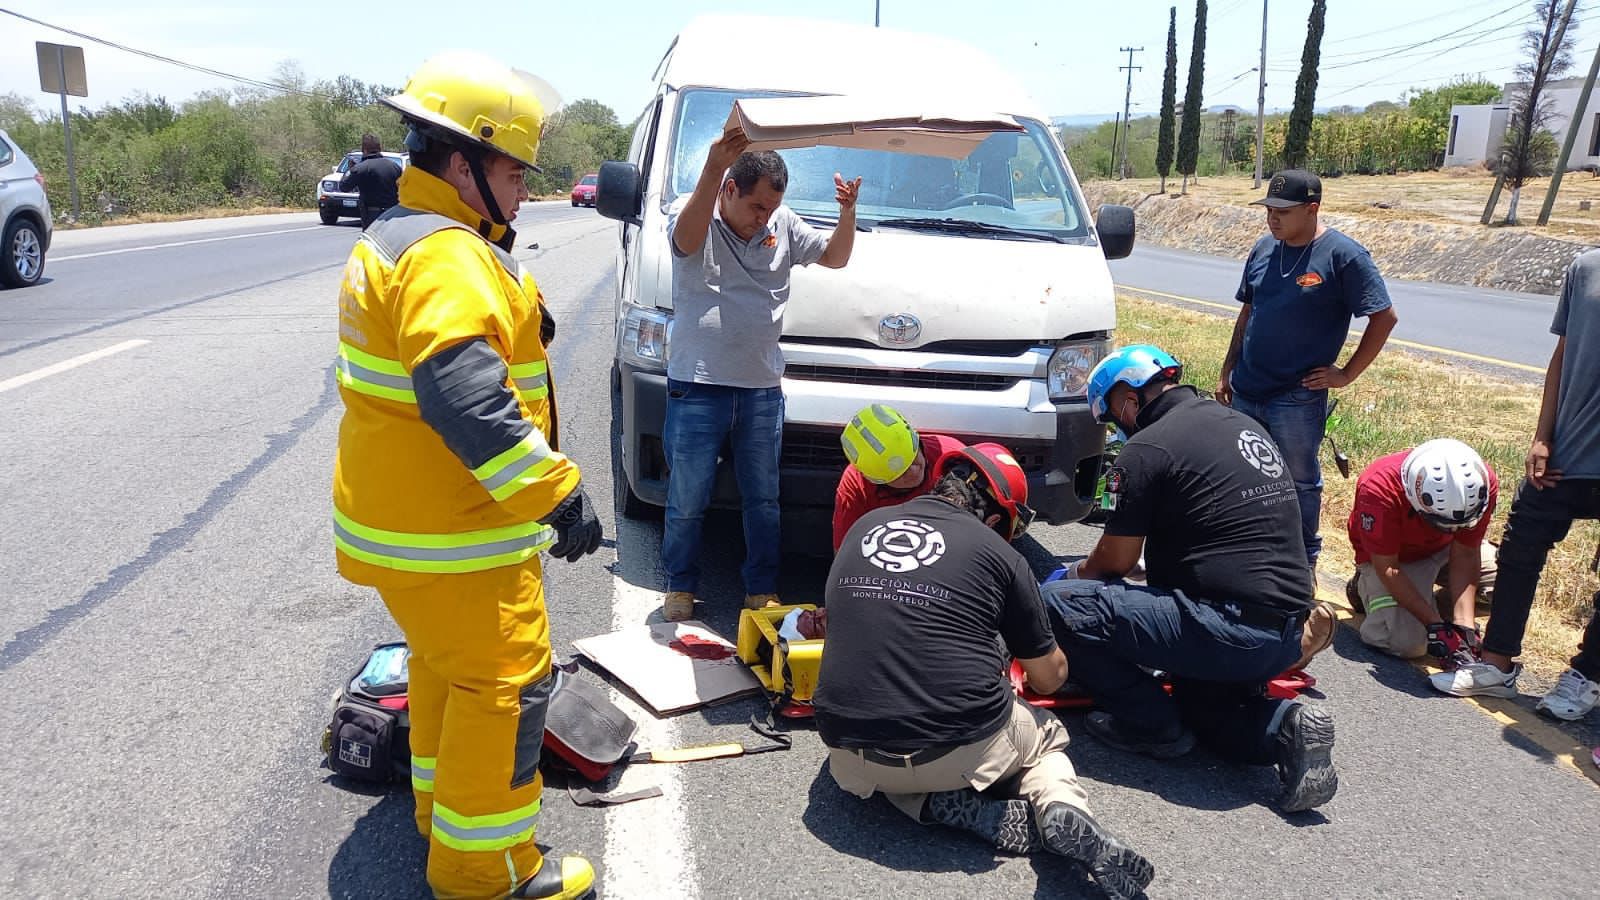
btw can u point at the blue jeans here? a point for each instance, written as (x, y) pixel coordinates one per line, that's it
(1296, 421)
(1219, 665)
(699, 418)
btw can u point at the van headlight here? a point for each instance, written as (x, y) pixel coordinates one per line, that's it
(643, 341)
(1067, 375)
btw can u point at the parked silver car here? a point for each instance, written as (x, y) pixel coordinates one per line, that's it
(26, 212)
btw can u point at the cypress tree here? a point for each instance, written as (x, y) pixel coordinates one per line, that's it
(1189, 130)
(1298, 138)
(1169, 97)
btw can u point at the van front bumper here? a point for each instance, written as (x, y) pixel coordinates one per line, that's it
(1059, 445)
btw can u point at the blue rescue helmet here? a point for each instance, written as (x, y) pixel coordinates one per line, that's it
(1134, 366)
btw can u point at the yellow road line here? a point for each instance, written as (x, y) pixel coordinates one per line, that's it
(1564, 749)
(1445, 351)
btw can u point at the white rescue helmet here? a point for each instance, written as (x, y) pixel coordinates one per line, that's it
(1447, 483)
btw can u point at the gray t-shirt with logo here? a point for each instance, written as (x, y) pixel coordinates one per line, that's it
(1575, 447)
(728, 299)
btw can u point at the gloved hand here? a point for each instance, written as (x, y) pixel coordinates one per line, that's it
(547, 324)
(576, 526)
(1445, 643)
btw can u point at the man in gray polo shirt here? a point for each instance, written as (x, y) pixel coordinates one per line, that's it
(733, 244)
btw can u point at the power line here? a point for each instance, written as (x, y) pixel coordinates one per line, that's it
(1397, 27)
(1392, 52)
(166, 59)
(1376, 79)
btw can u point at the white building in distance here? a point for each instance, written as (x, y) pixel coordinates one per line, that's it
(1477, 132)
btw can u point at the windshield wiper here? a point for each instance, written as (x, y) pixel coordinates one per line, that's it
(822, 220)
(966, 226)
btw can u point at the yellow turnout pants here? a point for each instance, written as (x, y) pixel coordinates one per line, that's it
(480, 666)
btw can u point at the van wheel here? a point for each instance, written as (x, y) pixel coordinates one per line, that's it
(21, 254)
(329, 216)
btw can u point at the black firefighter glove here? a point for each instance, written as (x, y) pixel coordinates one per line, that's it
(547, 324)
(578, 531)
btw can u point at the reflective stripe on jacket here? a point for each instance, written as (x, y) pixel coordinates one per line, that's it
(421, 280)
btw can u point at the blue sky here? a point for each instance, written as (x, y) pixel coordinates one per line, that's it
(1065, 51)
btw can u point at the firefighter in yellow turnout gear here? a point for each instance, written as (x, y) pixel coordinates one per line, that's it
(448, 483)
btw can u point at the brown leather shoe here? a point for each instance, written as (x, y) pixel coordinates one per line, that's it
(677, 606)
(1316, 634)
(761, 601)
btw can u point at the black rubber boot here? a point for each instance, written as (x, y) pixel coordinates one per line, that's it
(1305, 758)
(1007, 824)
(1119, 871)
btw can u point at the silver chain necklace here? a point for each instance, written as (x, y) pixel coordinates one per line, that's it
(1281, 272)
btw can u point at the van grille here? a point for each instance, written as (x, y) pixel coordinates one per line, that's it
(954, 381)
(811, 448)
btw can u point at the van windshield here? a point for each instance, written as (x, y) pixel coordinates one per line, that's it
(1011, 180)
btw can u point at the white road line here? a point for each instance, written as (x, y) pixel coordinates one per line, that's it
(648, 853)
(209, 240)
(64, 365)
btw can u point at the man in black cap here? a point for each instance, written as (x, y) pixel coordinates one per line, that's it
(1302, 284)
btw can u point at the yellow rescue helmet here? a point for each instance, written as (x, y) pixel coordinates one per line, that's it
(479, 100)
(880, 443)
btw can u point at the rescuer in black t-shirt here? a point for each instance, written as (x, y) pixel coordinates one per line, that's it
(1207, 497)
(926, 603)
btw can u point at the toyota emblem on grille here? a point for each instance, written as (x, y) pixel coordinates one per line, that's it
(901, 328)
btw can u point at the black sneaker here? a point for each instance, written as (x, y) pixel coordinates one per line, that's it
(1120, 872)
(1105, 726)
(1305, 758)
(1007, 824)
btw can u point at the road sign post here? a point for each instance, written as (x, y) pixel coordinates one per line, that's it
(61, 72)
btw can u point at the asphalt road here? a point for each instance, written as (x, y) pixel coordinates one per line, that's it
(1498, 325)
(171, 630)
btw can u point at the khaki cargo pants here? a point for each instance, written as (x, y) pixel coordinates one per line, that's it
(1027, 758)
(1389, 626)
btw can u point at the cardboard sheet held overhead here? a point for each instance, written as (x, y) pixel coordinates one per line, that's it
(672, 666)
(778, 123)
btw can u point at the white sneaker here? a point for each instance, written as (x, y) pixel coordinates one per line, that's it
(1571, 698)
(1479, 679)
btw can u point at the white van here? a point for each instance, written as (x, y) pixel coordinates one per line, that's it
(977, 298)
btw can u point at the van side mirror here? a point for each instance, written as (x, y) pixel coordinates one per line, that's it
(618, 193)
(1115, 225)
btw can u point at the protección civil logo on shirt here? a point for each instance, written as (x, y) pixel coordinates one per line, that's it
(903, 545)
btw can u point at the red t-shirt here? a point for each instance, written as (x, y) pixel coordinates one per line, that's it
(856, 496)
(1382, 520)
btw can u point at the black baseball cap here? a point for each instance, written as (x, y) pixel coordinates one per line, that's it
(1291, 187)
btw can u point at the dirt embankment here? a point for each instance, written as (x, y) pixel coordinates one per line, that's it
(1503, 258)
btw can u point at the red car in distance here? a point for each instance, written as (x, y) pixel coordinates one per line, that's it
(583, 191)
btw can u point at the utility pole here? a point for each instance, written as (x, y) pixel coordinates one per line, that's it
(1127, 104)
(1572, 138)
(876, 8)
(1116, 135)
(1261, 97)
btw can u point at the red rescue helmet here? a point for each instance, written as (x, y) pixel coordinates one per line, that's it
(992, 469)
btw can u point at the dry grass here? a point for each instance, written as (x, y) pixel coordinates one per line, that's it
(1399, 402)
(1449, 195)
(212, 212)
